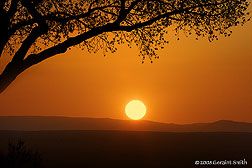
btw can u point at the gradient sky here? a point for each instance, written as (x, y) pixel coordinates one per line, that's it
(193, 81)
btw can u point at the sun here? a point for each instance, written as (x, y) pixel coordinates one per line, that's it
(135, 110)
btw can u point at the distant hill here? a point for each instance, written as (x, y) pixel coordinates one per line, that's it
(35, 123)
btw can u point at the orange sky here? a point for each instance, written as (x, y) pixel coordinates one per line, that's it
(193, 81)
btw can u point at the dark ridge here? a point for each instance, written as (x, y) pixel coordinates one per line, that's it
(35, 123)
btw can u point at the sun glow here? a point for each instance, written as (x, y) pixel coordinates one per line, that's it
(135, 109)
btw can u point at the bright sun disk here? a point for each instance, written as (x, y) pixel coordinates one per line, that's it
(135, 109)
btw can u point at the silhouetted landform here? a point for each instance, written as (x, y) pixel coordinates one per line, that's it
(133, 149)
(34, 123)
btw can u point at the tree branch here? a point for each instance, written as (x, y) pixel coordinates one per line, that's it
(124, 12)
(62, 47)
(13, 8)
(165, 15)
(26, 44)
(54, 17)
(2, 3)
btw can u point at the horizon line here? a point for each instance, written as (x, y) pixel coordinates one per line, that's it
(61, 116)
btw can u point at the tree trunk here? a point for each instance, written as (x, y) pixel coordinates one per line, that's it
(9, 74)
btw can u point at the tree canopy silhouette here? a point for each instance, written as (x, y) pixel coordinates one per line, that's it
(34, 30)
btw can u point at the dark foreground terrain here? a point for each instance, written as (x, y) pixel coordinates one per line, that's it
(74, 149)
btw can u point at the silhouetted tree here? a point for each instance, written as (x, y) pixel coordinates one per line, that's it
(19, 156)
(34, 30)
